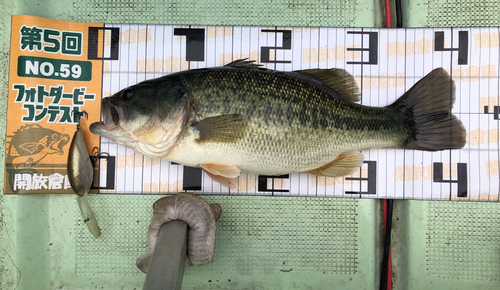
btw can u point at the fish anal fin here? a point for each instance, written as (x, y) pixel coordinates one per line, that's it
(226, 181)
(224, 128)
(222, 170)
(344, 164)
(342, 82)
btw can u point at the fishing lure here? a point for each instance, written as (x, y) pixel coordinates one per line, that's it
(81, 175)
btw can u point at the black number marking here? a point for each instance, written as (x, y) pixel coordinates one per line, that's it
(372, 48)
(195, 42)
(371, 178)
(191, 177)
(95, 41)
(287, 44)
(496, 111)
(263, 179)
(110, 172)
(463, 45)
(461, 179)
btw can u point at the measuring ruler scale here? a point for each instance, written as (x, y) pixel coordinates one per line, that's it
(57, 67)
(385, 63)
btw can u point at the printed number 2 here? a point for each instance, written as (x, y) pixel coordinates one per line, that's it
(265, 56)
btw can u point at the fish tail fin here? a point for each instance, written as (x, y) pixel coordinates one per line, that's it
(427, 110)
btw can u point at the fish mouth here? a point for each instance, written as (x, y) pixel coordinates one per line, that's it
(111, 127)
(111, 117)
(58, 145)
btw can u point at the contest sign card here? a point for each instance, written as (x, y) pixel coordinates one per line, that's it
(50, 75)
(54, 70)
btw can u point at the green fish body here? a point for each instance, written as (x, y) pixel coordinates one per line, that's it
(243, 119)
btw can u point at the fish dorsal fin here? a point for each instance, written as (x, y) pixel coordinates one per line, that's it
(337, 79)
(243, 63)
(223, 128)
(344, 164)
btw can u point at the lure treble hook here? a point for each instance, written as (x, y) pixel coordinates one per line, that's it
(80, 114)
(96, 154)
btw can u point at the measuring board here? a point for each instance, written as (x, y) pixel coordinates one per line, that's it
(385, 64)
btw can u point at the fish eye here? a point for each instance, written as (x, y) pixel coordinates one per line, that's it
(127, 94)
(54, 136)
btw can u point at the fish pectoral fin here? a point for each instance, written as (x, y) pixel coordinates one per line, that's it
(223, 128)
(344, 164)
(337, 79)
(31, 147)
(226, 181)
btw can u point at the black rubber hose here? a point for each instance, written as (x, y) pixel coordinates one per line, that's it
(399, 14)
(387, 247)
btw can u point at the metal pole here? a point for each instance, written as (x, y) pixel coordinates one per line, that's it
(169, 258)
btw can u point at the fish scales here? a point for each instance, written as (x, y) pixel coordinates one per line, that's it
(292, 122)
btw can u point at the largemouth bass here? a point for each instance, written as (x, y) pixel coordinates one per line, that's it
(240, 118)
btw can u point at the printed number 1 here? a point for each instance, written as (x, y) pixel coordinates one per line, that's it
(195, 42)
